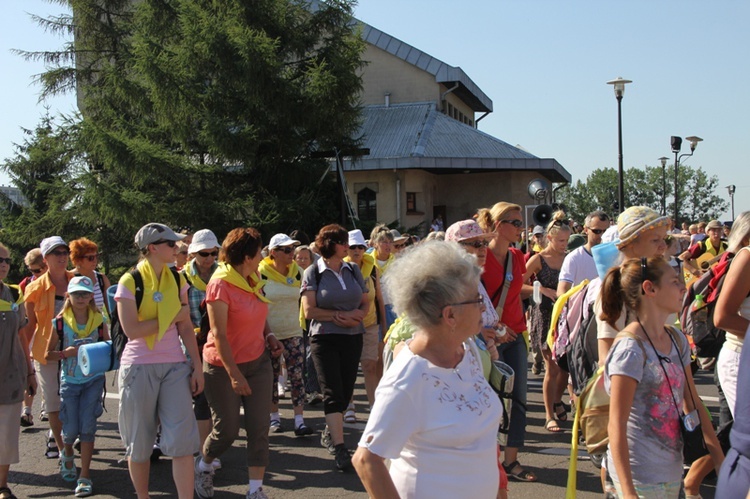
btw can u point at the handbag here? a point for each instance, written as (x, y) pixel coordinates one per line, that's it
(502, 379)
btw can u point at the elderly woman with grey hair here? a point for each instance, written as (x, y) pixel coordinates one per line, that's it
(435, 416)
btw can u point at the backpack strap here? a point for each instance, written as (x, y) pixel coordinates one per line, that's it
(60, 328)
(632, 336)
(507, 270)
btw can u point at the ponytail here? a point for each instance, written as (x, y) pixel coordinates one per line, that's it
(612, 296)
(484, 219)
(623, 285)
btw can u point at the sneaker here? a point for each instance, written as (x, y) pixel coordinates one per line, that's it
(43, 416)
(258, 494)
(27, 420)
(327, 442)
(156, 452)
(342, 458)
(303, 430)
(204, 481)
(315, 398)
(216, 464)
(77, 444)
(275, 426)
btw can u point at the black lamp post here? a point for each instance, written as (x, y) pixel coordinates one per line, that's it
(676, 143)
(663, 160)
(619, 85)
(731, 188)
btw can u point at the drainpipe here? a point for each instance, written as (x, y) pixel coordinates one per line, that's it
(442, 96)
(476, 122)
(398, 197)
(387, 99)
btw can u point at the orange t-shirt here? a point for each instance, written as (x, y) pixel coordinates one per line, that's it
(246, 320)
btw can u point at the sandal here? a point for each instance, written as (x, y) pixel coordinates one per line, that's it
(69, 474)
(552, 426)
(27, 419)
(560, 411)
(84, 488)
(5, 493)
(51, 451)
(521, 475)
(350, 416)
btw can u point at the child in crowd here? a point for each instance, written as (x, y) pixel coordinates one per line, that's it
(80, 322)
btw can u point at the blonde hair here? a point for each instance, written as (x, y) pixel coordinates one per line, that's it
(488, 217)
(556, 224)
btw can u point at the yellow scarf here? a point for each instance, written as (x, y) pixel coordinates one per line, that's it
(368, 263)
(387, 262)
(192, 276)
(93, 322)
(267, 269)
(6, 306)
(163, 306)
(227, 273)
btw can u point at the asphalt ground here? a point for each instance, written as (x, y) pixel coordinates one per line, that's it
(300, 467)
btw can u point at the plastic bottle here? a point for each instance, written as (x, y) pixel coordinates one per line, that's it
(700, 311)
(537, 292)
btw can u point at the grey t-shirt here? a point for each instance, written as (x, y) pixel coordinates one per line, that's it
(653, 429)
(342, 291)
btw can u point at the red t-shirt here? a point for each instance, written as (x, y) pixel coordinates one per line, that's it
(492, 277)
(246, 319)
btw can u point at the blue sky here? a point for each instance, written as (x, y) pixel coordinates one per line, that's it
(545, 64)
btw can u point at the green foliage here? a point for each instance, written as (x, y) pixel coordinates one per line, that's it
(643, 187)
(202, 114)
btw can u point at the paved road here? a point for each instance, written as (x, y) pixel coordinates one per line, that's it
(300, 467)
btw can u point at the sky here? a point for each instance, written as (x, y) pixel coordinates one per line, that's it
(544, 64)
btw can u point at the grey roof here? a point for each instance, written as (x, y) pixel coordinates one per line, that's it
(417, 136)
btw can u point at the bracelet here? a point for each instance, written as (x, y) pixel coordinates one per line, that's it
(270, 334)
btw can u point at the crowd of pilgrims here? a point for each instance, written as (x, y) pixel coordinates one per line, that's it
(214, 327)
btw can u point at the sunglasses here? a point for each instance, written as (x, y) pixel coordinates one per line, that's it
(598, 232)
(171, 244)
(358, 247)
(206, 254)
(285, 249)
(561, 223)
(644, 274)
(91, 258)
(35, 271)
(6, 260)
(62, 252)
(475, 244)
(343, 243)
(515, 223)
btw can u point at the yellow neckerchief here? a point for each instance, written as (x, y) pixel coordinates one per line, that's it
(227, 273)
(368, 263)
(168, 305)
(6, 306)
(290, 279)
(93, 322)
(387, 262)
(193, 277)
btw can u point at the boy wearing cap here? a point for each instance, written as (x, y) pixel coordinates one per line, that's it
(712, 245)
(44, 299)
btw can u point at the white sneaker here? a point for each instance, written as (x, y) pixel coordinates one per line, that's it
(216, 464)
(204, 481)
(258, 494)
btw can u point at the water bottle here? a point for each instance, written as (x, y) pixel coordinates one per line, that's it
(700, 311)
(537, 292)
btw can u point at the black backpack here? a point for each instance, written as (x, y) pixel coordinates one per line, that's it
(119, 338)
(582, 353)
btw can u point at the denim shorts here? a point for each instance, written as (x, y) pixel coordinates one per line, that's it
(80, 407)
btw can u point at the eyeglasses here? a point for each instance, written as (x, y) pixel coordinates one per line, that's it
(644, 274)
(358, 247)
(478, 301)
(171, 244)
(90, 258)
(475, 244)
(598, 232)
(35, 271)
(515, 223)
(6, 260)
(206, 254)
(285, 249)
(61, 252)
(81, 294)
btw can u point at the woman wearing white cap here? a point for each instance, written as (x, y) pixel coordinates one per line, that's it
(156, 381)
(44, 299)
(282, 276)
(372, 349)
(203, 251)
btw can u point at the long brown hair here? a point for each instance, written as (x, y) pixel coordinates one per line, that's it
(488, 217)
(623, 285)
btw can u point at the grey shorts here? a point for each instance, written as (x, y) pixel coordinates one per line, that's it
(151, 394)
(48, 379)
(370, 343)
(10, 425)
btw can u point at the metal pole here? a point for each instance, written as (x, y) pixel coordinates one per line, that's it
(732, 196)
(676, 194)
(664, 189)
(621, 186)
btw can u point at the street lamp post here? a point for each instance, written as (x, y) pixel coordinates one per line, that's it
(619, 85)
(731, 188)
(676, 143)
(663, 160)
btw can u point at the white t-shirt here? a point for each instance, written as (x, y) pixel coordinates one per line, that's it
(577, 266)
(438, 426)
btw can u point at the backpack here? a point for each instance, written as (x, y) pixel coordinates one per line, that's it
(119, 338)
(699, 323)
(566, 315)
(581, 353)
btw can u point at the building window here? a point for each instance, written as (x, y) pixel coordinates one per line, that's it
(367, 205)
(411, 202)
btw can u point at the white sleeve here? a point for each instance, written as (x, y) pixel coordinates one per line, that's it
(567, 271)
(392, 421)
